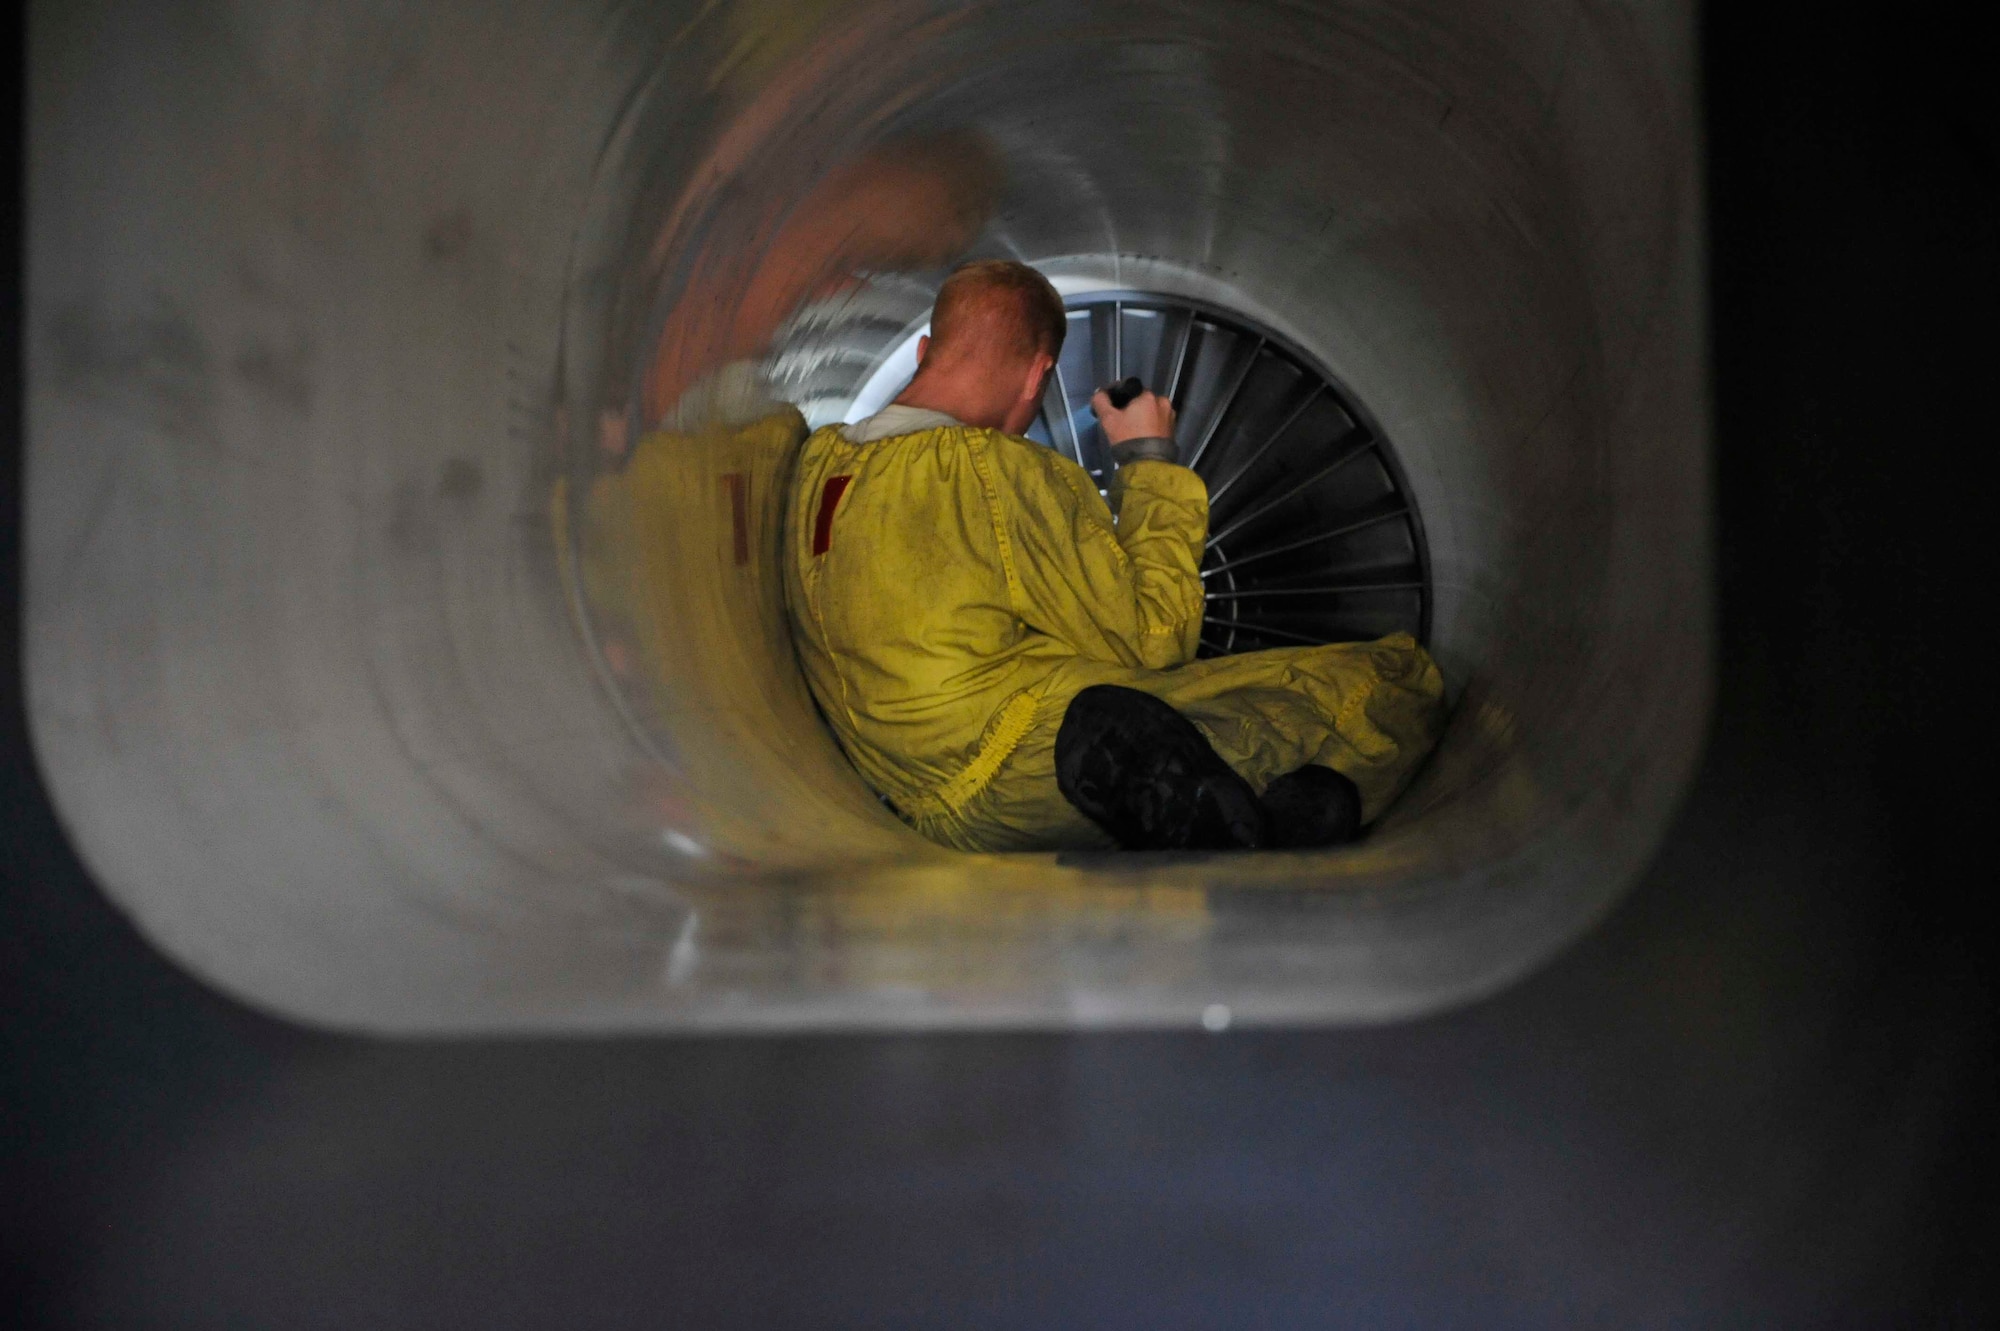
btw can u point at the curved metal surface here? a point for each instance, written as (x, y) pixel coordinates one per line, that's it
(336, 319)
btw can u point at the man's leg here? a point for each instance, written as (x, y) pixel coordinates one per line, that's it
(1115, 767)
(1368, 712)
(1146, 775)
(1022, 807)
(1326, 736)
(1371, 711)
(1143, 773)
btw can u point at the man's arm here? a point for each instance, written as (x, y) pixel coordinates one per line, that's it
(1162, 527)
(1162, 512)
(1127, 592)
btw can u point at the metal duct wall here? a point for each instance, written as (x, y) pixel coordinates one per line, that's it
(335, 320)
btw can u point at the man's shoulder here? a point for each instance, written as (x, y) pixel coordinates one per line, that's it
(1020, 469)
(820, 448)
(826, 436)
(843, 436)
(954, 437)
(1015, 445)
(1015, 453)
(1009, 454)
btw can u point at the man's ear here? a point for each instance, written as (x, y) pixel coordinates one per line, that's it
(1038, 373)
(923, 349)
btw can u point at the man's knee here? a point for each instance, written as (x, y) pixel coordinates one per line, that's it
(1144, 773)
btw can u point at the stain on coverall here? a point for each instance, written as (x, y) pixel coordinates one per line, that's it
(952, 589)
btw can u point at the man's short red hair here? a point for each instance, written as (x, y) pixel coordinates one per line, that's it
(1006, 305)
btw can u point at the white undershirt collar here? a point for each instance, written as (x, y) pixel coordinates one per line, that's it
(896, 419)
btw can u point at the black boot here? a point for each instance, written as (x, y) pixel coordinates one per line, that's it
(1314, 806)
(1142, 772)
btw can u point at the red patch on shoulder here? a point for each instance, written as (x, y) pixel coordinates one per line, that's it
(829, 500)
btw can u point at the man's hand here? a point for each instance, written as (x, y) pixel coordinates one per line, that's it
(1147, 416)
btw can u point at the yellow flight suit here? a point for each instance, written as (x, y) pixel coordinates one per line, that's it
(952, 589)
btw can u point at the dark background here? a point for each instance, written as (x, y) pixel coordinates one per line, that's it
(1760, 1094)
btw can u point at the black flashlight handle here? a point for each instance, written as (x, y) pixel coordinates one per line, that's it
(1122, 392)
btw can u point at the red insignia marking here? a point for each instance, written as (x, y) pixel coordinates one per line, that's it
(829, 500)
(739, 515)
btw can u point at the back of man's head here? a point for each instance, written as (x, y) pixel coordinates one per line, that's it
(997, 309)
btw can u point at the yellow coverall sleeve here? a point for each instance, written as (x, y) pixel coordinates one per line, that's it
(1125, 591)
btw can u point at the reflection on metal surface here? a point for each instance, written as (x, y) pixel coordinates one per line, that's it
(391, 608)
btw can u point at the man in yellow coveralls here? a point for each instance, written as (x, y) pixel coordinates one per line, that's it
(1009, 660)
